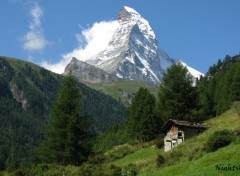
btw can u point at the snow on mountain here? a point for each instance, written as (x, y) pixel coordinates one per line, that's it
(192, 71)
(132, 52)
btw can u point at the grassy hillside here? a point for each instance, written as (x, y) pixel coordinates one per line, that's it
(190, 158)
(123, 89)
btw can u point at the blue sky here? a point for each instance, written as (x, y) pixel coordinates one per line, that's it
(198, 32)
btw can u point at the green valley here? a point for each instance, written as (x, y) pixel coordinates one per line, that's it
(123, 90)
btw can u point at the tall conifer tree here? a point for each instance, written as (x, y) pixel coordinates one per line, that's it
(142, 123)
(66, 131)
(177, 97)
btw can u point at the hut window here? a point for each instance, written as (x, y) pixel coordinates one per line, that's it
(180, 134)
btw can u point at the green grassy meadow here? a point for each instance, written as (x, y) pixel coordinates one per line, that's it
(123, 89)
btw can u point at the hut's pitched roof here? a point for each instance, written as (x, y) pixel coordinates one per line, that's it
(171, 122)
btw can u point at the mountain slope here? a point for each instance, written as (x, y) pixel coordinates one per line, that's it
(88, 73)
(27, 94)
(123, 90)
(35, 88)
(195, 73)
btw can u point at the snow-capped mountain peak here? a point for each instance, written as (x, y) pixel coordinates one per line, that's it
(129, 16)
(127, 13)
(130, 10)
(132, 52)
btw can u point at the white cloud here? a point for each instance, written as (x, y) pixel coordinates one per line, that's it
(91, 42)
(57, 67)
(97, 38)
(34, 39)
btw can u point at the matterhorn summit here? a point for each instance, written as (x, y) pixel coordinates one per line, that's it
(133, 52)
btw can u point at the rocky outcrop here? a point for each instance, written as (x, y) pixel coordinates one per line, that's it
(18, 95)
(85, 72)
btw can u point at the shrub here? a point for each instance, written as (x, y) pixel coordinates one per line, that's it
(218, 140)
(160, 160)
(159, 142)
(130, 170)
(119, 152)
(175, 155)
(115, 170)
(88, 169)
(97, 159)
(19, 172)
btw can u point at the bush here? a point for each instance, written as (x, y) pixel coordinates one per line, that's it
(130, 170)
(159, 143)
(175, 155)
(97, 159)
(19, 172)
(236, 135)
(119, 152)
(160, 160)
(218, 140)
(115, 170)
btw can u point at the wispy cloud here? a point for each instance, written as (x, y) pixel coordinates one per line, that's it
(91, 42)
(97, 38)
(34, 39)
(57, 67)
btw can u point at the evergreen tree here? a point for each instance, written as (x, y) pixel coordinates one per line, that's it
(176, 97)
(142, 123)
(66, 130)
(205, 91)
(235, 85)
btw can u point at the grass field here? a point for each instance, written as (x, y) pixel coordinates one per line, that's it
(207, 165)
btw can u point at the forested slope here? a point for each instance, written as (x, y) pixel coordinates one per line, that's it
(27, 92)
(220, 87)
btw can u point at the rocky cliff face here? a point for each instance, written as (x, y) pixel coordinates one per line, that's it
(88, 73)
(18, 95)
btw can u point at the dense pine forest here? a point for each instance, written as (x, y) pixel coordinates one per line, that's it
(36, 127)
(220, 86)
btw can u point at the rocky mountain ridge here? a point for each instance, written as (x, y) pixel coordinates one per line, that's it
(85, 72)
